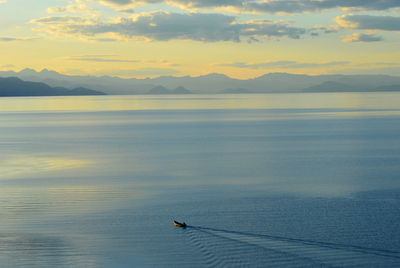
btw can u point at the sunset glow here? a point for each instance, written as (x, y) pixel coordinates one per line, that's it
(242, 39)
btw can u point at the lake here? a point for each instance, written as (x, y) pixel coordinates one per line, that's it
(274, 180)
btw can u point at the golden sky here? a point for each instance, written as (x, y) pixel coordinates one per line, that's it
(239, 38)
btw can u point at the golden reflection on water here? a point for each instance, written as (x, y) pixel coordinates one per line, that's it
(34, 202)
(200, 102)
(24, 166)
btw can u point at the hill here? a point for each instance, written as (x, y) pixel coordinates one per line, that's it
(215, 83)
(15, 87)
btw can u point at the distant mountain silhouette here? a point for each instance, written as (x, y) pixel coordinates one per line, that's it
(162, 90)
(181, 90)
(236, 91)
(215, 83)
(389, 88)
(158, 90)
(14, 87)
(331, 86)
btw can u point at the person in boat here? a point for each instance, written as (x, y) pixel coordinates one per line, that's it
(180, 224)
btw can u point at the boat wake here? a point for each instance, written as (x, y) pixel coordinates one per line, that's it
(224, 248)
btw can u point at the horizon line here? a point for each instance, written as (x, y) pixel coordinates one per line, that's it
(191, 76)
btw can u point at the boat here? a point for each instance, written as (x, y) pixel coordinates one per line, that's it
(180, 224)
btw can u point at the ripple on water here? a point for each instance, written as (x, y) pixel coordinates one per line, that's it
(223, 248)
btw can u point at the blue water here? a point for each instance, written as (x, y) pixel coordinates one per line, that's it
(280, 180)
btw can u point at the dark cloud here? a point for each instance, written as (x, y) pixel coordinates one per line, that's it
(269, 6)
(164, 26)
(298, 6)
(8, 39)
(368, 22)
(285, 6)
(364, 38)
(266, 28)
(167, 26)
(285, 64)
(127, 10)
(99, 59)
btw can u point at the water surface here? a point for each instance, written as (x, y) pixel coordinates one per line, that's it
(277, 180)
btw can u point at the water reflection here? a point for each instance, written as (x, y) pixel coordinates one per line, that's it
(22, 206)
(33, 250)
(201, 102)
(27, 166)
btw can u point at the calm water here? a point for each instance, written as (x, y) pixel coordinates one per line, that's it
(279, 180)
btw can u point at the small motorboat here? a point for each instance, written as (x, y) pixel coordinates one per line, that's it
(180, 224)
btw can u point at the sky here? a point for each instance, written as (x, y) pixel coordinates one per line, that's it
(239, 38)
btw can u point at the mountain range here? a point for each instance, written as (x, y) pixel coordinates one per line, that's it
(214, 83)
(15, 87)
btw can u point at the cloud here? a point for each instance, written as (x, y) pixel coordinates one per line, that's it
(163, 26)
(299, 6)
(197, 4)
(357, 37)
(99, 58)
(264, 6)
(7, 66)
(284, 64)
(127, 10)
(104, 39)
(325, 30)
(14, 39)
(385, 63)
(125, 3)
(8, 39)
(61, 20)
(77, 8)
(369, 22)
(143, 72)
(59, 25)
